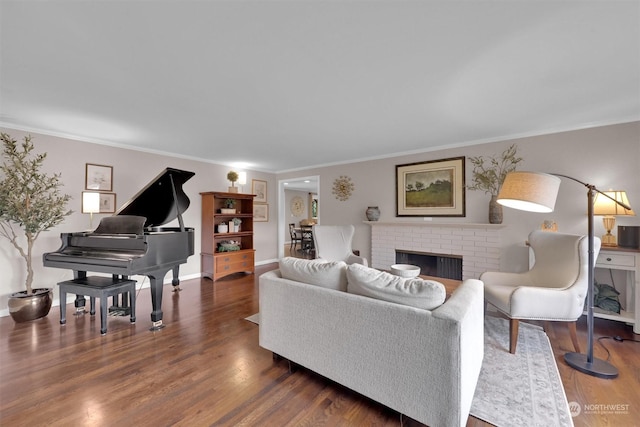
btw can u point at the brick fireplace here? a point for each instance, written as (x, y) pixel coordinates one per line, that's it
(479, 245)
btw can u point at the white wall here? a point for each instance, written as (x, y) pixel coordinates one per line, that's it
(132, 170)
(608, 157)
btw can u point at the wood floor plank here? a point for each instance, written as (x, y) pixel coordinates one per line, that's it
(205, 368)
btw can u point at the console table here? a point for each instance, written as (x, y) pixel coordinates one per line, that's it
(627, 260)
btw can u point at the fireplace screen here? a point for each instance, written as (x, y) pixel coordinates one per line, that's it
(438, 265)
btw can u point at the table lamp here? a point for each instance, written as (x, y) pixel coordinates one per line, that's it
(537, 192)
(609, 207)
(90, 205)
(242, 180)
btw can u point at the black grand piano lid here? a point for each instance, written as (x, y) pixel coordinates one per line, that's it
(156, 201)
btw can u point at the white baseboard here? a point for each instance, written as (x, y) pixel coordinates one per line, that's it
(143, 282)
(268, 261)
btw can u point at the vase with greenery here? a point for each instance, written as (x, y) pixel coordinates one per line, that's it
(233, 176)
(489, 174)
(30, 203)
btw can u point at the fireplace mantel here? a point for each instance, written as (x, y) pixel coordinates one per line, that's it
(437, 224)
(479, 245)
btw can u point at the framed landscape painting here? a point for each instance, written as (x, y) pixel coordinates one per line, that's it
(433, 188)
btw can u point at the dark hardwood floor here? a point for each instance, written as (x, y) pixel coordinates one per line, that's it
(206, 368)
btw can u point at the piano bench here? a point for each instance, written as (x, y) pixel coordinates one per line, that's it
(98, 287)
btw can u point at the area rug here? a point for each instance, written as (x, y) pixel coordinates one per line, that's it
(254, 318)
(522, 389)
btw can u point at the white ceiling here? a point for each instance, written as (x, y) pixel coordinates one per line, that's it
(286, 85)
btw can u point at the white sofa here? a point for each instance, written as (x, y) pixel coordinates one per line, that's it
(422, 363)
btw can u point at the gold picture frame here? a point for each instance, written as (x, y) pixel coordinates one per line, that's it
(260, 212)
(259, 188)
(431, 188)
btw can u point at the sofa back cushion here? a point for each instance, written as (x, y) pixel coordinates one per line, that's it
(419, 293)
(331, 275)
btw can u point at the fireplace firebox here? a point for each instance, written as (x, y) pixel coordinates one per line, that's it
(438, 265)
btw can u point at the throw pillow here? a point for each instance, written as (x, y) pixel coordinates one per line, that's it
(415, 292)
(331, 275)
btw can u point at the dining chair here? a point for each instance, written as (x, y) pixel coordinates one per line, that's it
(295, 238)
(306, 238)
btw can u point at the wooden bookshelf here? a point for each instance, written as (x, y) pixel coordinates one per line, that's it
(215, 262)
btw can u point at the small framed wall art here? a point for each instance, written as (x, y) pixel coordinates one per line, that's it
(260, 212)
(259, 188)
(433, 188)
(99, 177)
(107, 202)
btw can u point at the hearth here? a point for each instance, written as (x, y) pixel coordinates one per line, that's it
(476, 245)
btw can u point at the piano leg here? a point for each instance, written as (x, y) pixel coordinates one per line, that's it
(80, 302)
(176, 281)
(155, 283)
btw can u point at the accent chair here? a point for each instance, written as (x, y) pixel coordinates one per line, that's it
(554, 289)
(333, 243)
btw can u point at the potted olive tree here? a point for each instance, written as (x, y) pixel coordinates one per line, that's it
(489, 174)
(30, 203)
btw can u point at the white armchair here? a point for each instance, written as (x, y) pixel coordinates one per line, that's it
(554, 289)
(333, 243)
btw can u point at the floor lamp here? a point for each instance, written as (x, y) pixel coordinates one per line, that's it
(537, 192)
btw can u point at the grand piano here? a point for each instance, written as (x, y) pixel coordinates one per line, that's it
(132, 242)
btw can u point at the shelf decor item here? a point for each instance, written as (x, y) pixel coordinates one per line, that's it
(537, 192)
(30, 201)
(229, 246)
(233, 177)
(229, 207)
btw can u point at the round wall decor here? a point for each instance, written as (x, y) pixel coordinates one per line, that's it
(342, 188)
(297, 206)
